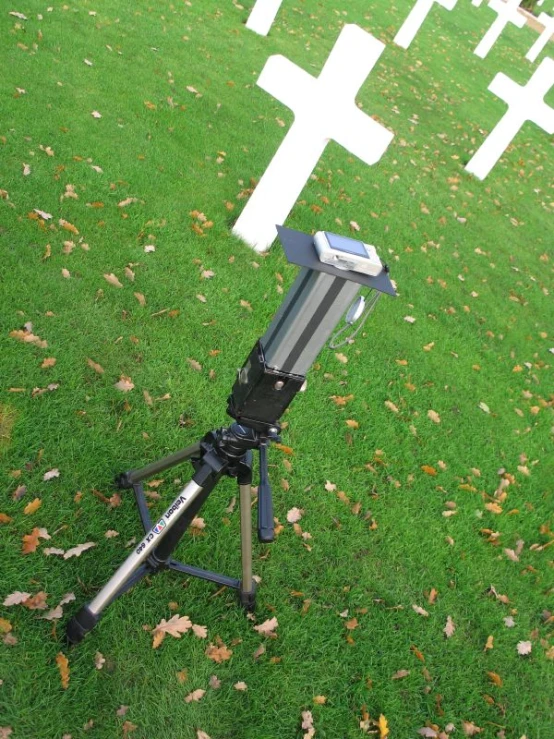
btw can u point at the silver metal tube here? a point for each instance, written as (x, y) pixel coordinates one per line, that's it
(246, 537)
(146, 546)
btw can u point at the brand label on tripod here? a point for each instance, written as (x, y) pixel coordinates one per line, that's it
(175, 507)
(160, 526)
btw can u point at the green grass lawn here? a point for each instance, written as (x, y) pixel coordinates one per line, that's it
(184, 128)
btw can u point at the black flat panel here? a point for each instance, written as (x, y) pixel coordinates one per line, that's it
(299, 248)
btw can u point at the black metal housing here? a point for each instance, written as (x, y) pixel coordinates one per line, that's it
(261, 394)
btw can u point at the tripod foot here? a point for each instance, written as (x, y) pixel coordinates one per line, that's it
(248, 600)
(79, 626)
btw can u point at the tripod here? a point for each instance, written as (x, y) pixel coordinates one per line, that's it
(271, 376)
(224, 452)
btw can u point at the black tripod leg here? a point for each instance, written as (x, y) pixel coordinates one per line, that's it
(128, 479)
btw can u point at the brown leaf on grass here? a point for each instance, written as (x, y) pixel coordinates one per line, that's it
(128, 727)
(28, 337)
(352, 424)
(141, 299)
(450, 627)
(195, 696)
(79, 549)
(200, 631)
(182, 676)
(218, 653)
(391, 406)
(194, 364)
(201, 734)
(352, 624)
(470, 729)
(341, 400)
(53, 614)
(63, 666)
(32, 507)
(31, 541)
(258, 653)
(68, 226)
(524, 647)
(493, 508)
(95, 366)
(434, 416)
(495, 678)
(125, 384)
(294, 515)
(122, 711)
(15, 599)
(246, 304)
(400, 674)
(48, 362)
(5, 626)
(215, 682)
(320, 700)
(99, 660)
(267, 628)
(4, 518)
(489, 644)
(51, 474)
(342, 358)
(428, 469)
(112, 279)
(418, 609)
(241, 685)
(383, 727)
(37, 602)
(176, 626)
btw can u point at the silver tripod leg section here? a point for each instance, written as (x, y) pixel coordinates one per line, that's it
(246, 537)
(146, 547)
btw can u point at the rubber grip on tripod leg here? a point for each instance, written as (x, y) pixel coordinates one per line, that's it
(79, 626)
(266, 532)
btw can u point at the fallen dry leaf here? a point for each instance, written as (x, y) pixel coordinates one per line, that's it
(95, 366)
(32, 507)
(176, 626)
(294, 515)
(48, 362)
(79, 549)
(200, 631)
(218, 654)
(99, 660)
(524, 647)
(418, 609)
(400, 674)
(320, 700)
(434, 416)
(125, 384)
(196, 695)
(450, 627)
(15, 599)
(63, 666)
(495, 678)
(194, 364)
(51, 474)
(268, 627)
(112, 279)
(240, 686)
(383, 727)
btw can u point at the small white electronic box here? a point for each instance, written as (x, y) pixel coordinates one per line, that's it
(345, 253)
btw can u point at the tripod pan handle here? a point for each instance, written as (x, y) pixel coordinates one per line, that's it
(266, 532)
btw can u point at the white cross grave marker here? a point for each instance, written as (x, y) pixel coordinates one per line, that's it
(324, 109)
(415, 20)
(548, 23)
(507, 13)
(525, 103)
(262, 16)
(477, 3)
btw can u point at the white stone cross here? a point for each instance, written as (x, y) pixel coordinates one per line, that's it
(324, 109)
(415, 20)
(548, 23)
(507, 13)
(525, 103)
(262, 16)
